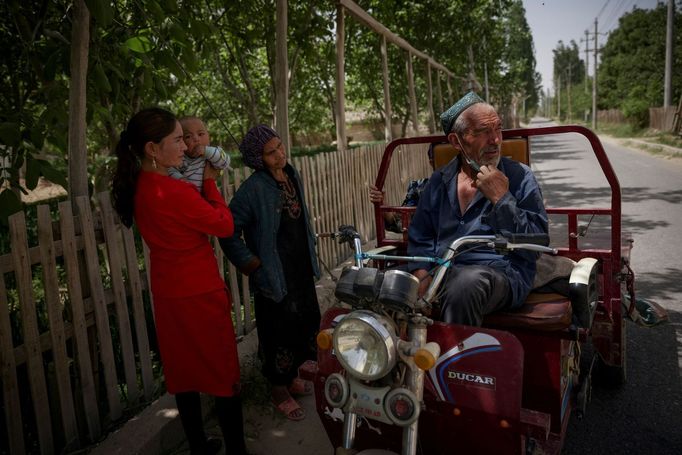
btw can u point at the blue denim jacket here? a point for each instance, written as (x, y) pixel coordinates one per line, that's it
(438, 221)
(256, 208)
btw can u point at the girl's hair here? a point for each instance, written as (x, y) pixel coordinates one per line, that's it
(148, 125)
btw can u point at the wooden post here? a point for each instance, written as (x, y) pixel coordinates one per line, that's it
(57, 336)
(80, 39)
(451, 101)
(139, 317)
(439, 93)
(429, 98)
(388, 130)
(8, 377)
(34, 359)
(340, 78)
(413, 97)
(80, 326)
(125, 336)
(99, 303)
(282, 75)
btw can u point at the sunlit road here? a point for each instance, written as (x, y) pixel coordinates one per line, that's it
(645, 415)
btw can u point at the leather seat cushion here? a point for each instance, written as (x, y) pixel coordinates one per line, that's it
(546, 312)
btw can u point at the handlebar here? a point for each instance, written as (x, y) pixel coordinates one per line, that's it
(499, 242)
(504, 241)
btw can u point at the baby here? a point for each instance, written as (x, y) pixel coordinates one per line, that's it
(198, 153)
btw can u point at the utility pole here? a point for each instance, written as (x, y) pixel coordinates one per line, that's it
(558, 98)
(587, 60)
(568, 86)
(594, 81)
(667, 88)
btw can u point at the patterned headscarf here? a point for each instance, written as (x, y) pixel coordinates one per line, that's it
(252, 145)
(447, 118)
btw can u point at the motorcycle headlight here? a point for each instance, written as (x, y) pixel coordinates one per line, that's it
(365, 344)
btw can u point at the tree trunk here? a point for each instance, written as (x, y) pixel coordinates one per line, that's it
(80, 43)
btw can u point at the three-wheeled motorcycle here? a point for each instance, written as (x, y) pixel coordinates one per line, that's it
(391, 377)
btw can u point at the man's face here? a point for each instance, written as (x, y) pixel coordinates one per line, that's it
(481, 141)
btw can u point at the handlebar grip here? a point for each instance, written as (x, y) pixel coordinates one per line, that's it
(347, 232)
(532, 238)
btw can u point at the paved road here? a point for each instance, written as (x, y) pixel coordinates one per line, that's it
(645, 415)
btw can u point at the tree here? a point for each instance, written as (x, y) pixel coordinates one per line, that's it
(215, 59)
(569, 77)
(633, 61)
(520, 80)
(33, 93)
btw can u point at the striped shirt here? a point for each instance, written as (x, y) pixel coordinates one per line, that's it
(192, 169)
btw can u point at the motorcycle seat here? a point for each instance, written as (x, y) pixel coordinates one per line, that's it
(540, 311)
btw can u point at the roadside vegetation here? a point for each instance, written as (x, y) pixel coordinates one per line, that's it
(630, 75)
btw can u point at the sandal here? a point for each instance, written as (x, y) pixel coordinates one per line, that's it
(288, 407)
(301, 387)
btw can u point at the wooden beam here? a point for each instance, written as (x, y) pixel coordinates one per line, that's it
(413, 97)
(429, 98)
(282, 75)
(450, 99)
(340, 79)
(439, 93)
(362, 16)
(388, 130)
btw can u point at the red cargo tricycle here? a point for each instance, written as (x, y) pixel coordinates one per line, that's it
(390, 379)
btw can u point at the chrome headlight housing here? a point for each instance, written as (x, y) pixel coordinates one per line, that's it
(365, 344)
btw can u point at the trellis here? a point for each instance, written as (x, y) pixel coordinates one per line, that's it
(343, 6)
(386, 36)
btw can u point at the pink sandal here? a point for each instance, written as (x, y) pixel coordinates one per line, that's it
(288, 407)
(301, 387)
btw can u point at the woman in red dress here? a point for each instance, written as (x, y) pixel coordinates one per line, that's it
(191, 303)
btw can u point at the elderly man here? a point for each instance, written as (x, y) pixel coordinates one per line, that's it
(478, 192)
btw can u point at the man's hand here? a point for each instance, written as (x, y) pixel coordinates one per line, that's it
(375, 195)
(492, 183)
(424, 280)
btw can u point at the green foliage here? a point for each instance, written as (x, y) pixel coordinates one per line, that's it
(567, 64)
(636, 107)
(216, 60)
(633, 62)
(35, 58)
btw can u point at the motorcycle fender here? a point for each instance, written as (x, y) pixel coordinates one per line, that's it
(479, 369)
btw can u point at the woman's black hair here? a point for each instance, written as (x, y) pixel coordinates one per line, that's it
(148, 125)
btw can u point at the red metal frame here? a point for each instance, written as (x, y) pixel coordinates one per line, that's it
(533, 390)
(607, 336)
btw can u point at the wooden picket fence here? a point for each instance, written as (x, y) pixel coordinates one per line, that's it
(75, 340)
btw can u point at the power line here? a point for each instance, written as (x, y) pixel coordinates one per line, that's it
(189, 77)
(602, 8)
(618, 13)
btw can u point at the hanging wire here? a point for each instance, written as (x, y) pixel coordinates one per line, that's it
(191, 80)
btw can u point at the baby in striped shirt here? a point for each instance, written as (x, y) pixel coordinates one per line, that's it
(198, 153)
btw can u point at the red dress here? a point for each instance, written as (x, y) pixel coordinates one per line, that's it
(191, 303)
